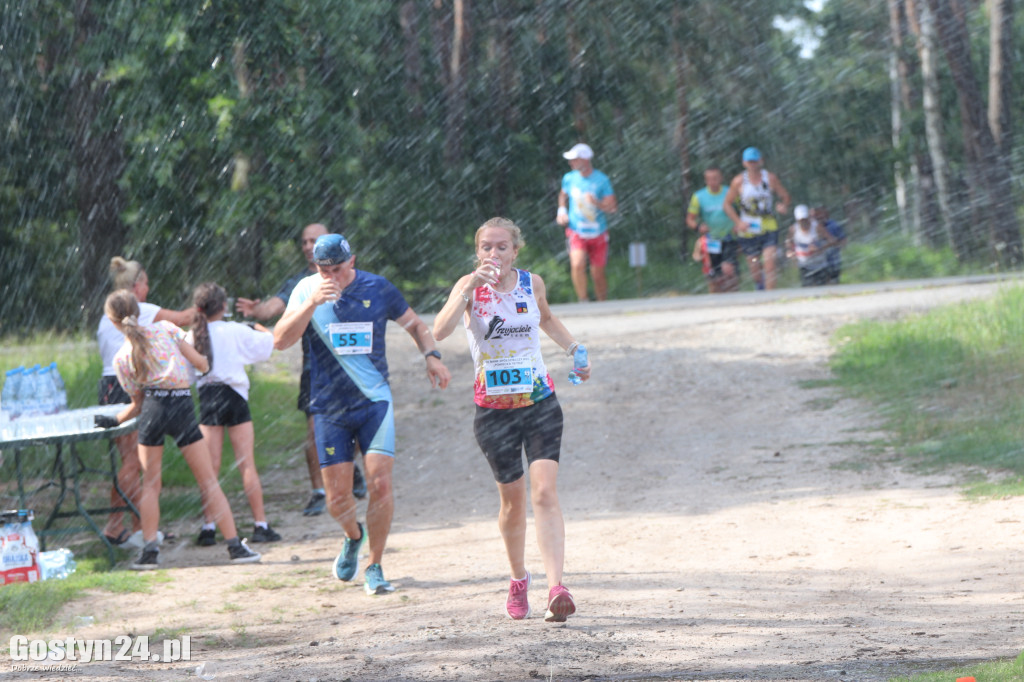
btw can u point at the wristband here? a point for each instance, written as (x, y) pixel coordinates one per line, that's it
(464, 296)
(571, 349)
(562, 211)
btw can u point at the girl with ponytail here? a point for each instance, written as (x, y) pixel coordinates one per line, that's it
(127, 275)
(154, 367)
(224, 396)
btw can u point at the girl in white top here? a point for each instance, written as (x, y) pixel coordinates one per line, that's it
(504, 310)
(224, 395)
(128, 275)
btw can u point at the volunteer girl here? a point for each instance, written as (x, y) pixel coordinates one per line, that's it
(503, 310)
(153, 367)
(224, 396)
(128, 275)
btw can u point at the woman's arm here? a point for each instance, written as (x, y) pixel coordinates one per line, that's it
(457, 304)
(133, 409)
(179, 318)
(552, 326)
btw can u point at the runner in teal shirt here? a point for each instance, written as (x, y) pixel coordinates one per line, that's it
(707, 215)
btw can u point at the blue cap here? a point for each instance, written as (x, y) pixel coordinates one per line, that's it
(331, 249)
(751, 154)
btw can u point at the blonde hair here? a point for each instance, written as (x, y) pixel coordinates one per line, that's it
(505, 224)
(122, 306)
(124, 273)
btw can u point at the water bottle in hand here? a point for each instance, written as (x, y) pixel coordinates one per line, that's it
(579, 361)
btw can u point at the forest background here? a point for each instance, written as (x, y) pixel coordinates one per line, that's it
(199, 136)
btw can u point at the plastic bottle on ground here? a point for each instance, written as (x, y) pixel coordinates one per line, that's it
(56, 564)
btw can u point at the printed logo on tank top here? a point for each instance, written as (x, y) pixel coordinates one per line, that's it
(496, 328)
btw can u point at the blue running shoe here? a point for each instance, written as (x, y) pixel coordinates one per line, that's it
(347, 564)
(375, 583)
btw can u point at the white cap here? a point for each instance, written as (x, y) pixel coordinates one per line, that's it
(801, 212)
(580, 151)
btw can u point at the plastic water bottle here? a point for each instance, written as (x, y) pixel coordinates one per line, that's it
(56, 564)
(9, 402)
(579, 361)
(46, 394)
(58, 386)
(28, 392)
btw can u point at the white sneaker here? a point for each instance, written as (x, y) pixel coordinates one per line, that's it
(135, 540)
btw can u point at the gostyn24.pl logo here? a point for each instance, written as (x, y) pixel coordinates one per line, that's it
(121, 648)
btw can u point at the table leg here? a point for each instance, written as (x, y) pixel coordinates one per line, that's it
(21, 478)
(58, 468)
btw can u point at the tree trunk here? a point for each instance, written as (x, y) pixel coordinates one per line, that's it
(408, 19)
(991, 181)
(681, 134)
(580, 105)
(923, 23)
(252, 245)
(98, 153)
(897, 84)
(503, 88)
(1000, 74)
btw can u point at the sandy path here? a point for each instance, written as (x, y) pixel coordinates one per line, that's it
(723, 523)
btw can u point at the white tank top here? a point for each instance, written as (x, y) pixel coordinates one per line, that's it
(756, 200)
(803, 240)
(504, 337)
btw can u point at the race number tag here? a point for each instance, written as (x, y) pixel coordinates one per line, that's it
(503, 376)
(714, 246)
(351, 338)
(755, 226)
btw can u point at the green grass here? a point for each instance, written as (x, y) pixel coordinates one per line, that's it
(950, 386)
(33, 607)
(949, 383)
(997, 671)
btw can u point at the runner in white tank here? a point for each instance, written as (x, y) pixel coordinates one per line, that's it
(502, 332)
(504, 310)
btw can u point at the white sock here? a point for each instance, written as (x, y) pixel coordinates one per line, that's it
(209, 526)
(261, 524)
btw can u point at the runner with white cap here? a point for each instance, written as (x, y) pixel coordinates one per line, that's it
(584, 202)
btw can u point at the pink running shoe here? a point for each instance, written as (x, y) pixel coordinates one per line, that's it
(560, 605)
(517, 606)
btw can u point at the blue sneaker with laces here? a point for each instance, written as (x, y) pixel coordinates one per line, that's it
(375, 583)
(347, 564)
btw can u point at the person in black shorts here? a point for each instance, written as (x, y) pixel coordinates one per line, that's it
(223, 397)
(270, 308)
(155, 368)
(504, 309)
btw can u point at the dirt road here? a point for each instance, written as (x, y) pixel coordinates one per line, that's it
(723, 523)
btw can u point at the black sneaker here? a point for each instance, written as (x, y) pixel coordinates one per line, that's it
(207, 537)
(149, 560)
(268, 534)
(241, 554)
(317, 505)
(358, 483)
